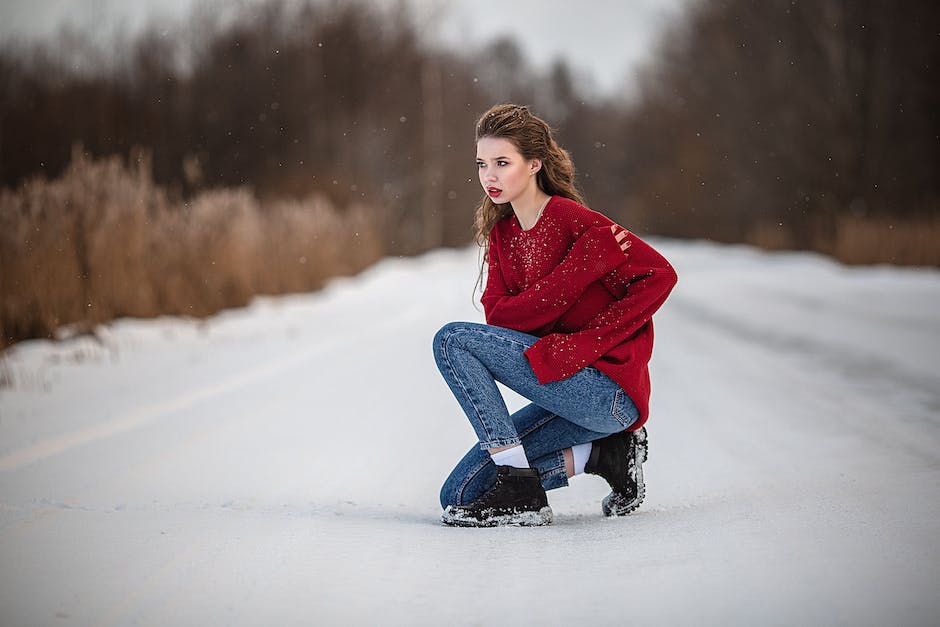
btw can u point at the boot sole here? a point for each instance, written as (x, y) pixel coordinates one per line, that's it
(615, 504)
(642, 444)
(454, 517)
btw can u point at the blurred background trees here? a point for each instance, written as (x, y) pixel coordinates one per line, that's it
(785, 123)
(287, 99)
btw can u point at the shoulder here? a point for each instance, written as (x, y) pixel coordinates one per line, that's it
(577, 215)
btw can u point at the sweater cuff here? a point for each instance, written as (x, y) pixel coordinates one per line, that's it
(540, 361)
(610, 255)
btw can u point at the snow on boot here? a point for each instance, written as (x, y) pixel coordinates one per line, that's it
(517, 498)
(619, 458)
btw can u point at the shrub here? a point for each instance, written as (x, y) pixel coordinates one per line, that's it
(103, 241)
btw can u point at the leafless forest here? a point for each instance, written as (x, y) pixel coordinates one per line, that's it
(188, 169)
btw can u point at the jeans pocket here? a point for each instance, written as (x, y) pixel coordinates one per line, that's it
(623, 409)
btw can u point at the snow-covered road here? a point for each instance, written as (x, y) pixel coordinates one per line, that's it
(279, 465)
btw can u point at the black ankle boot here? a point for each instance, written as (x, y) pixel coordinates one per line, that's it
(517, 498)
(619, 458)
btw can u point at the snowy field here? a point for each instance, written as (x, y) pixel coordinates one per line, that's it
(280, 465)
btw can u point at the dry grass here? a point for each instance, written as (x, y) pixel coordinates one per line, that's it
(910, 242)
(103, 242)
(902, 241)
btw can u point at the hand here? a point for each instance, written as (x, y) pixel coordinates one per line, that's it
(620, 234)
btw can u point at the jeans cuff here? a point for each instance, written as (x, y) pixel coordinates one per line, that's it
(499, 443)
(556, 475)
(556, 478)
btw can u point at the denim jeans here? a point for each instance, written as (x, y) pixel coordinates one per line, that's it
(587, 406)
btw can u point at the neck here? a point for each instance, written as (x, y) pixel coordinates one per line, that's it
(528, 207)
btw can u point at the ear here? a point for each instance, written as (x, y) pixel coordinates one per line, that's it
(534, 166)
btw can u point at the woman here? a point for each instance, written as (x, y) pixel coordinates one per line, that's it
(568, 300)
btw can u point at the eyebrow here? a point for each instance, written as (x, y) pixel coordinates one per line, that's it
(494, 159)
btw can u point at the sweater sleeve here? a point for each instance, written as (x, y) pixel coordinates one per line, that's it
(593, 255)
(651, 278)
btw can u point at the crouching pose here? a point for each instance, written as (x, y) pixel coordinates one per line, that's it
(568, 300)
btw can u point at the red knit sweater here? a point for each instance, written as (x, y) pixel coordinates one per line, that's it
(567, 281)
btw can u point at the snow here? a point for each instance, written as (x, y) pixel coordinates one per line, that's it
(280, 464)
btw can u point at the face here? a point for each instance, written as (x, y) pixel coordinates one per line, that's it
(504, 174)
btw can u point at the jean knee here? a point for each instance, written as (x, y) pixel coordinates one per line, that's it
(444, 335)
(473, 476)
(452, 490)
(449, 493)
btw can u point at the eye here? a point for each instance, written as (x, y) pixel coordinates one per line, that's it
(501, 162)
(480, 164)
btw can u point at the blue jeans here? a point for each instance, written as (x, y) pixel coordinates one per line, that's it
(584, 407)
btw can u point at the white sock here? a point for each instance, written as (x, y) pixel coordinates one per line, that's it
(581, 454)
(514, 456)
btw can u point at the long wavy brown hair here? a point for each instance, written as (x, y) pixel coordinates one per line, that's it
(532, 137)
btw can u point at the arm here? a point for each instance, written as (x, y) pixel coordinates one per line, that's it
(593, 255)
(558, 355)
